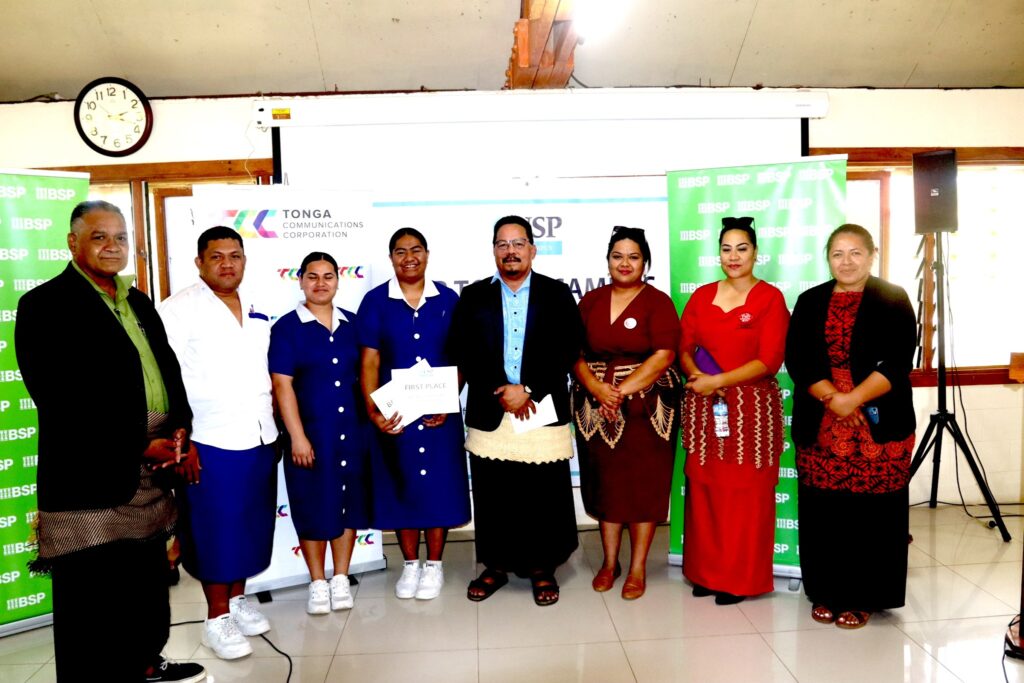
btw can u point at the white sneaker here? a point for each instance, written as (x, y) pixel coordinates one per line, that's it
(431, 580)
(250, 620)
(341, 593)
(319, 597)
(409, 581)
(221, 635)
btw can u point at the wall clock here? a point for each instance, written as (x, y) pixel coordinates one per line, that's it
(113, 116)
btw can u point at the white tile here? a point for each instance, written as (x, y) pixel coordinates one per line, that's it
(970, 648)
(783, 610)
(264, 670)
(46, 674)
(509, 618)
(878, 652)
(965, 543)
(27, 647)
(298, 633)
(940, 593)
(18, 673)
(667, 611)
(1002, 580)
(581, 663)
(451, 666)
(449, 622)
(717, 659)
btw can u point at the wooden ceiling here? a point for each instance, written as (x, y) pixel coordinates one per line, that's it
(197, 48)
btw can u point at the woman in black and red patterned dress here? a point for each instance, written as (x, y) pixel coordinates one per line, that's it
(849, 351)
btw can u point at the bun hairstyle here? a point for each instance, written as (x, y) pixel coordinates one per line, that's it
(315, 256)
(851, 229)
(744, 223)
(621, 232)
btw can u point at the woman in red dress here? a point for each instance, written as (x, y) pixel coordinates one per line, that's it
(625, 407)
(850, 351)
(734, 333)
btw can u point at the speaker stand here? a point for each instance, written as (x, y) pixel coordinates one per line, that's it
(942, 420)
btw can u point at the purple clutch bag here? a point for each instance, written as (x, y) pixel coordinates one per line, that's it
(705, 362)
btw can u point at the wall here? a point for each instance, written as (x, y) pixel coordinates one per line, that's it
(42, 135)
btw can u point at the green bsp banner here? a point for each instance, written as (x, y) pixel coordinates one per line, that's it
(795, 206)
(34, 212)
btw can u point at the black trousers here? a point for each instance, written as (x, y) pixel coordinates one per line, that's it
(111, 614)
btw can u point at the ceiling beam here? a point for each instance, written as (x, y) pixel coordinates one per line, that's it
(544, 41)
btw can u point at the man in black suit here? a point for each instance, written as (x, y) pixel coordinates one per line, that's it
(515, 337)
(113, 423)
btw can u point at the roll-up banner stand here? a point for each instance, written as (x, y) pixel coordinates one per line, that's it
(795, 206)
(34, 211)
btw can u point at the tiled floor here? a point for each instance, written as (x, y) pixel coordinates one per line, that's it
(963, 588)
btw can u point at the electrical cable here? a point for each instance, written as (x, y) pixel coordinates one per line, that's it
(958, 393)
(262, 635)
(581, 83)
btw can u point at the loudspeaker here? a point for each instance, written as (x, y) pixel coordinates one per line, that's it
(935, 192)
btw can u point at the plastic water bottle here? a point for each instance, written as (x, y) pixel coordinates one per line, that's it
(720, 409)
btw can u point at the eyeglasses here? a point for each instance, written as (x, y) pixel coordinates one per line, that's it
(743, 222)
(617, 228)
(505, 245)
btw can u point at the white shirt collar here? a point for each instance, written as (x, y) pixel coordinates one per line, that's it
(395, 291)
(306, 316)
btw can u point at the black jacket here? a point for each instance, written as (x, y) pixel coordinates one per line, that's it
(883, 340)
(85, 376)
(554, 336)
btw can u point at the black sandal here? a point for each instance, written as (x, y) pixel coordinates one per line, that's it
(544, 582)
(489, 581)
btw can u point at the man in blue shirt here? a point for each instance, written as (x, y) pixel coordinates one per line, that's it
(515, 338)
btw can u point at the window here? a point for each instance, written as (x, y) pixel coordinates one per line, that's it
(983, 325)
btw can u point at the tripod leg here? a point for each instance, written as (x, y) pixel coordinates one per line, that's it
(986, 492)
(923, 447)
(937, 458)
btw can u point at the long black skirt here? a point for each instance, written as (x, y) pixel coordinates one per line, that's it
(524, 514)
(853, 548)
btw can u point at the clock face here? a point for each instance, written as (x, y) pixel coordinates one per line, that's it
(113, 116)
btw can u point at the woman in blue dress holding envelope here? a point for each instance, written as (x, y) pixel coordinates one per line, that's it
(420, 481)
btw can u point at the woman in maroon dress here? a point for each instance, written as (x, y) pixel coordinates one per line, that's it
(625, 408)
(850, 351)
(734, 333)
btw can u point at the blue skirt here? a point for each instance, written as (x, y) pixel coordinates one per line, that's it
(226, 525)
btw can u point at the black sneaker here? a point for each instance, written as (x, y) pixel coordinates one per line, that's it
(178, 672)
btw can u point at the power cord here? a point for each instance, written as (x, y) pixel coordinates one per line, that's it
(262, 635)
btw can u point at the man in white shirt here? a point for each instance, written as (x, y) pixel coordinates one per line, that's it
(227, 519)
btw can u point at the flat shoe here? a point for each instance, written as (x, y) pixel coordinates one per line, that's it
(633, 588)
(700, 591)
(488, 583)
(853, 619)
(822, 614)
(722, 598)
(605, 578)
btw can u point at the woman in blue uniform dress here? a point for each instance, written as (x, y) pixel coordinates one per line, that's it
(419, 473)
(314, 364)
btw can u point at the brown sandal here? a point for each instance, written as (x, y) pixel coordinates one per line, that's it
(822, 614)
(852, 619)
